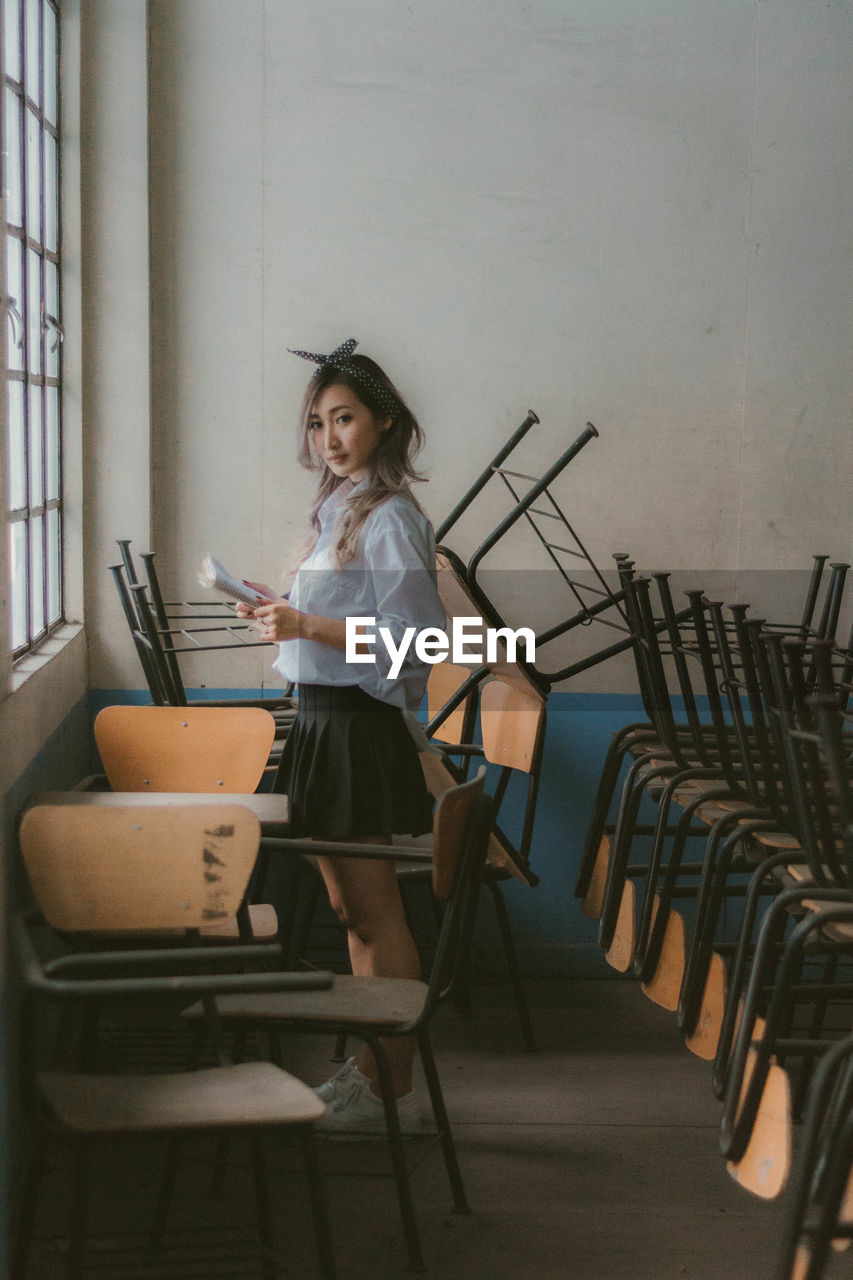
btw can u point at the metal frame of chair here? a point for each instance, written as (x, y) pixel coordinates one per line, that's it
(152, 620)
(783, 1022)
(594, 600)
(676, 755)
(787, 669)
(819, 1211)
(641, 739)
(688, 764)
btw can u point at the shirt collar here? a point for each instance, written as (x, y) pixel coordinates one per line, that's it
(341, 495)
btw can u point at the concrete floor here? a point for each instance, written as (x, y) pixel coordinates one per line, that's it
(594, 1158)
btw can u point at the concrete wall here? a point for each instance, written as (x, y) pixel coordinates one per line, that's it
(625, 210)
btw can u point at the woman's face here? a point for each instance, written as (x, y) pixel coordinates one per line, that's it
(343, 432)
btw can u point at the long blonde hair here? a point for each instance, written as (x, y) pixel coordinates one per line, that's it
(390, 468)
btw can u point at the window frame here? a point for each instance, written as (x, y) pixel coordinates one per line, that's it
(37, 608)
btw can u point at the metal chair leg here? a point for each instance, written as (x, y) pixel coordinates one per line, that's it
(308, 911)
(24, 1232)
(527, 1034)
(79, 1206)
(262, 1202)
(164, 1195)
(460, 1200)
(340, 1054)
(319, 1211)
(220, 1162)
(398, 1160)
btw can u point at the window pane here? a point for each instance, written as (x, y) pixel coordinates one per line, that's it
(36, 455)
(33, 312)
(52, 440)
(50, 64)
(33, 177)
(54, 568)
(18, 562)
(15, 292)
(51, 193)
(13, 159)
(37, 575)
(11, 32)
(32, 83)
(17, 446)
(51, 333)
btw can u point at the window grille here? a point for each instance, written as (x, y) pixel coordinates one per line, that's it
(31, 174)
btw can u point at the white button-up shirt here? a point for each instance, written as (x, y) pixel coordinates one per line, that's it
(391, 579)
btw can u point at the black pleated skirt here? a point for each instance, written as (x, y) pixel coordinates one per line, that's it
(350, 768)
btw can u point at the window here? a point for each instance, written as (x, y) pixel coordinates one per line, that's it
(34, 330)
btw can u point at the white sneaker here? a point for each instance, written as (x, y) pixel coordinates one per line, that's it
(356, 1109)
(329, 1091)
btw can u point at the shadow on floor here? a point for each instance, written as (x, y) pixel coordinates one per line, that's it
(594, 1158)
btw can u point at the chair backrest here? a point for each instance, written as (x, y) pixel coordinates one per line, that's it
(450, 828)
(131, 867)
(197, 749)
(512, 721)
(445, 679)
(460, 837)
(460, 603)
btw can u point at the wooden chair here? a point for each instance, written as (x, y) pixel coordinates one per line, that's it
(655, 749)
(815, 911)
(820, 1207)
(513, 732)
(202, 750)
(819, 1217)
(133, 876)
(370, 1008)
(512, 721)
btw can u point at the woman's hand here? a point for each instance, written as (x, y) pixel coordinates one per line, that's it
(246, 610)
(277, 621)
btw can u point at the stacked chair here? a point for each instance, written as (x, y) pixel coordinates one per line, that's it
(746, 748)
(162, 631)
(820, 1216)
(497, 711)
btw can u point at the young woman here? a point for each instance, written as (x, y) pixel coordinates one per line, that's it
(350, 764)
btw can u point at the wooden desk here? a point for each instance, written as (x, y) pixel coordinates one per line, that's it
(271, 810)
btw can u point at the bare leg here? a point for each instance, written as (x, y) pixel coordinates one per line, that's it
(365, 895)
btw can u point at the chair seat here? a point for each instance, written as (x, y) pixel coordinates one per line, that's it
(248, 1094)
(835, 930)
(776, 839)
(709, 812)
(379, 1002)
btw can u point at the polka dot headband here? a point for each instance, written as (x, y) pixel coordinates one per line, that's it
(340, 358)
